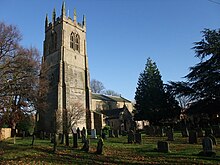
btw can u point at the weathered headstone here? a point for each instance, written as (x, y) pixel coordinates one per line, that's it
(131, 136)
(185, 132)
(84, 131)
(85, 146)
(78, 133)
(116, 133)
(75, 140)
(93, 134)
(214, 141)
(83, 137)
(193, 137)
(100, 146)
(207, 146)
(138, 138)
(170, 135)
(163, 146)
(111, 134)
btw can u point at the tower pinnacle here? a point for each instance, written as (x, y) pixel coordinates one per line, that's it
(54, 16)
(46, 21)
(63, 11)
(84, 20)
(74, 15)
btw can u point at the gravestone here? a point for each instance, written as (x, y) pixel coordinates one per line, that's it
(116, 133)
(199, 132)
(78, 133)
(214, 141)
(93, 134)
(162, 146)
(185, 132)
(207, 146)
(85, 146)
(216, 130)
(75, 140)
(170, 135)
(111, 134)
(193, 137)
(138, 138)
(100, 146)
(131, 136)
(83, 137)
(84, 131)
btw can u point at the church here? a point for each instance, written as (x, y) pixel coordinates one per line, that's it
(69, 97)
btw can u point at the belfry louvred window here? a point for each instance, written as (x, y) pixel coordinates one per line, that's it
(75, 41)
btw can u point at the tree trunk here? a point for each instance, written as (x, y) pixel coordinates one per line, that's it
(55, 143)
(67, 139)
(13, 132)
(33, 138)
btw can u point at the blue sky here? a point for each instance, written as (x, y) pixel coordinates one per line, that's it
(122, 34)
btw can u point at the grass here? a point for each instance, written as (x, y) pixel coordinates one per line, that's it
(116, 151)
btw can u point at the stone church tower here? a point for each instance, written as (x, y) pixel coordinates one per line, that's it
(67, 69)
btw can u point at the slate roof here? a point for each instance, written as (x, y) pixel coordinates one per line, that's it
(115, 113)
(109, 98)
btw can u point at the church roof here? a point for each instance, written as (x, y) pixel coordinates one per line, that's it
(109, 98)
(115, 113)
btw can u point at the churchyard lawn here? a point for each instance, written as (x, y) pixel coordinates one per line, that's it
(116, 151)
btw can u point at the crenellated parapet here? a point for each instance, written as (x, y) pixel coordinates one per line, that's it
(64, 19)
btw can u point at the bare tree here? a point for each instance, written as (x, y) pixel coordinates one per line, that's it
(96, 86)
(111, 93)
(19, 77)
(75, 116)
(69, 119)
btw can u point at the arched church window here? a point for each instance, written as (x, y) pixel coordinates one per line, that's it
(75, 41)
(72, 40)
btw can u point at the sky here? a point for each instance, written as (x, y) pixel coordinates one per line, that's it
(122, 34)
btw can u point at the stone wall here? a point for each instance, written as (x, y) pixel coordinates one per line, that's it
(5, 133)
